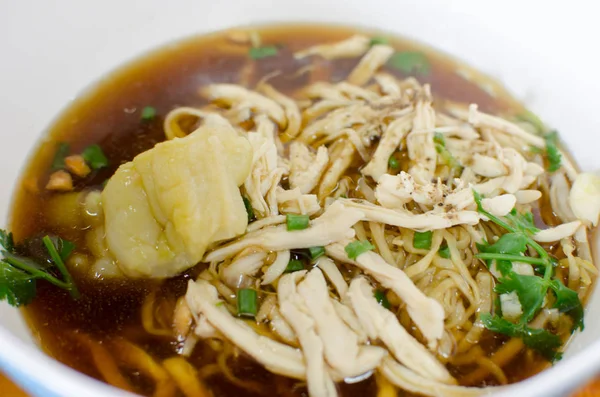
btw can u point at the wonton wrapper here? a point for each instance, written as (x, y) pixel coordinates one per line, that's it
(166, 206)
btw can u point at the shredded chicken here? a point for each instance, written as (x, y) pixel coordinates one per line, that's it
(202, 298)
(352, 47)
(425, 312)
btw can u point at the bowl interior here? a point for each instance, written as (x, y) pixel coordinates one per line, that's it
(66, 46)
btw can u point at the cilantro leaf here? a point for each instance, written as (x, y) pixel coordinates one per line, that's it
(544, 342)
(19, 274)
(263, 52)
(531, 291)
(410, 62)
(522, 222)
(509, 243)
(356, 248)
(552, 152)
(16, 287)
(531, 118)
(6, 240)
(567, 301)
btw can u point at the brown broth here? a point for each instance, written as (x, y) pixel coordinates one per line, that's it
(109, 114)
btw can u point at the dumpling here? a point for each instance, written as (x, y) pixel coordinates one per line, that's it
(164, 208)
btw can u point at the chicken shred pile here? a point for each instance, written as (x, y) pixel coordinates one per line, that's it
(324, 152)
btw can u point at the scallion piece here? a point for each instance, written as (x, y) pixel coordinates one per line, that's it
(297, 222)
(263, 52)
(378, 40)
(410, 62)
(422, 240)
(356, 248)
(444, 252)
(294, 265)
(247, 302)
(59, 157)
(316, 252)
(381, 298)
(94, 156)
(249, 209)
(393, 162)
(148, 113)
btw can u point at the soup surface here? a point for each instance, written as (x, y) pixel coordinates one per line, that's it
(121, 329)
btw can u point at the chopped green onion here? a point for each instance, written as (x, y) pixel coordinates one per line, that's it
(422, 240)
(316, 252)
(409, 62)
(393, 162)
(59, 157)
(297, 222)
(381, 298)
(356, 248)
(94, 156)
(444, 252)
(552, 152)
(378, 40)
(263, 52)
(294, 265)
(249, 209)
(148, 113)
(247, 302)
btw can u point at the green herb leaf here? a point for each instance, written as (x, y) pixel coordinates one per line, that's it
(94, 156)
(522, 222)
(18, 274)
(381, 298)
(66, 248)
(540, 340)
(297, 222)
(58, 163)
(509, 243)
(263, 52)
(422, 240)
(316, 252)
(247, 302)
(6, 240)
(16, 287)
(355, 248)
(53, 250)
(440, 147)
(531, 118)
(249, 209)
(439, 139)
(567, 301)
(378, 40)
(293, 266)
(410, 62)
(536, 150)
(552, 152)
(444, 252)
(393, 162)
(512, 258)
(530, 289)
(148, 113)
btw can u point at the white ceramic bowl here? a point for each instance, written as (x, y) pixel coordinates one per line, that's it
(544, 51)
